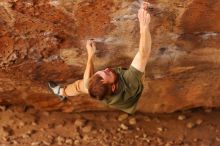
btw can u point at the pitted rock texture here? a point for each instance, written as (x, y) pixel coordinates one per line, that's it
(42, 40)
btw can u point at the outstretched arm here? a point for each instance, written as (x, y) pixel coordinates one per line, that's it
(79, 86)
(142, 56)
(89, 71)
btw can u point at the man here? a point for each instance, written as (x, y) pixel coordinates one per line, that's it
(118, 87)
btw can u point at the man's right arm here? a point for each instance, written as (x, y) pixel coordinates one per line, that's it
(89, 71)
(81, 86)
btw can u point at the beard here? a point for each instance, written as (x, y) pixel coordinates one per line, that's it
(115, 75)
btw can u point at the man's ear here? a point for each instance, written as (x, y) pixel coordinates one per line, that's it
(113, 87)
(103, 81)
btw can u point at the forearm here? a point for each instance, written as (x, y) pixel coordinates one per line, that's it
(89, 71)
(145, 42)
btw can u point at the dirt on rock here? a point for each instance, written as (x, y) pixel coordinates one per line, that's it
(25, 126)
(44, 40)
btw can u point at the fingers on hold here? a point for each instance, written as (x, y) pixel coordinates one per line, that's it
(145, 5)
(144, 17)
(145, 13)
(140, 13)
(140, 10)
(90, 40)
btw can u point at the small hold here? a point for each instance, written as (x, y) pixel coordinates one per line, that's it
(69, 141)
(80, 122)
(60, 140)
(217, 139)
(138, 129)
(21, 124)
(124, 127)
(168, 144)
(195, 140)
(208, 110)
(181, 117)
(3, 108)
(46, 114)
(5, 138)
(147, 119)
(46, 143)
(199, 121)
(122, 117)
(159, 141)
(132, 121)
(25, 136)
(76, 142)
(87, 128)
(33, 123)
(190, 125)
(14, 142)
(37, 143)
(160, 129)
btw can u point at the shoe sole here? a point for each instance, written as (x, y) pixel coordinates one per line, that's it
(60, 97)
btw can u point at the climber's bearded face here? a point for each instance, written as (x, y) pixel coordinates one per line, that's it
(108, 75)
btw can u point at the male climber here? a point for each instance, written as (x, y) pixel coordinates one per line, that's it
(119, 88)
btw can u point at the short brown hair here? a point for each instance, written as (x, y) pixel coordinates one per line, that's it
(97, 89)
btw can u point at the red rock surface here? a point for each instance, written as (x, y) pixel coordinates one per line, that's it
(42, 40)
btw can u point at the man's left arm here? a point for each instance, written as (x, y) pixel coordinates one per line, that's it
(140, 60)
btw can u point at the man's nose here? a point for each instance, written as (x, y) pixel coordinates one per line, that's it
(107, 69)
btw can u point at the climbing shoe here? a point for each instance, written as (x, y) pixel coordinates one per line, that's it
(55, 89)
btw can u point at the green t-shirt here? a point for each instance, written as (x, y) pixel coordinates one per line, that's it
(129, 90)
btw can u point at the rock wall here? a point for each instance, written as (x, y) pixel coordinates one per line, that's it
(42, 40)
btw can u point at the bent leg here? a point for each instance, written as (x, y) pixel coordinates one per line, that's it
(74, 89)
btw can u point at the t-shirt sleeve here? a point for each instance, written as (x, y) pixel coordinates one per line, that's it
(133, 74)
(132, 79)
